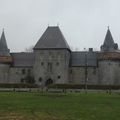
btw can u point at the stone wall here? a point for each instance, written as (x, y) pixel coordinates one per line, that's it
(51, 64)
(54, 65)
(4, 71)
(18, 74)
(77, 75)
(109, 72)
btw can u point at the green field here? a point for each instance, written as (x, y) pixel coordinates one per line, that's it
(54, 106)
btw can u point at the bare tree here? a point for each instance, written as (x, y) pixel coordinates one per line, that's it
(29, 49)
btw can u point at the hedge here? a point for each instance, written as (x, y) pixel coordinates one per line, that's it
(82, 86)
(17, 85)
(60, 86)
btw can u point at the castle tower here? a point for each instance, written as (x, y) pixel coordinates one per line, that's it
(52, 56)
(109, 61)
(5, 59)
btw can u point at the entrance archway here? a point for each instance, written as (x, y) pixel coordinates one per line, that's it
(48, 82)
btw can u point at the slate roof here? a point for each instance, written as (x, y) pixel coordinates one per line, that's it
(22, 59)
(109, 44)
(78, 59)
(52, 38)
(4, 51)
(108, 39)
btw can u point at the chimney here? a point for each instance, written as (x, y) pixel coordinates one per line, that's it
(90, 49)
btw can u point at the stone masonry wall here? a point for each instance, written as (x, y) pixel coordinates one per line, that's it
(18, 74)
(51, 64)
(77, 75)
(4, 71)
(109, 72)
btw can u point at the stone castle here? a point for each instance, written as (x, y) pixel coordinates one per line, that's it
(53, 62)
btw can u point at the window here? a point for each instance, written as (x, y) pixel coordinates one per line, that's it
(22, 80)
(49, 67)
(23, 71)
(50, 53)
(70, 71)
(94, 70)
(57, 63)
(42, 63)
(29, 71)
(40, 79)
(59, 76)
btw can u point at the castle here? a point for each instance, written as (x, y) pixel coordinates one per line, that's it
(53, 62)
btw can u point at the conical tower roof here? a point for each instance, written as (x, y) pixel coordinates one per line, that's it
(109, 44)
(108, 39)
(52, 38)
(4, 51)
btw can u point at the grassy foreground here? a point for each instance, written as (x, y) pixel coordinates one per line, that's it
(49, 106)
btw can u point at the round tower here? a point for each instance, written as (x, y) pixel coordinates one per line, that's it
(109, 62)
(5, 60)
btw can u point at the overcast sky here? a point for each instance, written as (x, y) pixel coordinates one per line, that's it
(83, 22)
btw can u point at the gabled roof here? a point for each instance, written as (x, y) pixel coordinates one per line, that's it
(4, 51)
(22, 59)
(109, 44)
(81, 59)
(52, 38)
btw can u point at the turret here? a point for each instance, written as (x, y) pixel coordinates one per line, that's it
(109, 44)
(4, 51)
(109, 61)
(5, 59)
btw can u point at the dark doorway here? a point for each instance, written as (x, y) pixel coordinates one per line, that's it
(48, 82)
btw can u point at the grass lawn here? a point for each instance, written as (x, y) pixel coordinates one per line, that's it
(49, 106)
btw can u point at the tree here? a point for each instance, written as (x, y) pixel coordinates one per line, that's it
(29, 49)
